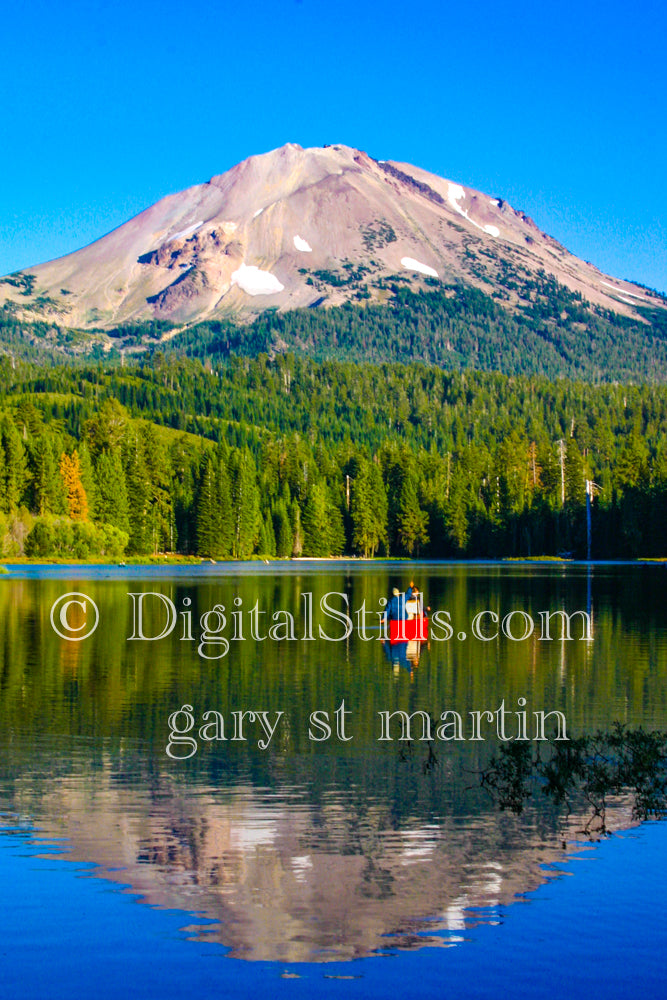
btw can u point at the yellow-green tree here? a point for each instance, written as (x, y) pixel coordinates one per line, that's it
(77, 501)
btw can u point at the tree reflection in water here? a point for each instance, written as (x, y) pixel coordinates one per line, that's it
(592, 769)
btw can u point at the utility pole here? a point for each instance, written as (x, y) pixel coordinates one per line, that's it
(591, 488)
(562, 472)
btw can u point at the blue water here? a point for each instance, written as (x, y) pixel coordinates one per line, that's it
(138, 571)
(599, 930)
(82, 741)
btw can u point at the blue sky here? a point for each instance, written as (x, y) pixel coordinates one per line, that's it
(560, 109)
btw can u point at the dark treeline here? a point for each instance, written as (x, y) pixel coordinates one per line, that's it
(290, 457)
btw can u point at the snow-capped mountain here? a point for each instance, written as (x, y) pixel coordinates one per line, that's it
(303, 227)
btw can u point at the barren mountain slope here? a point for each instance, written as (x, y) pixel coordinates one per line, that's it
(297, 227)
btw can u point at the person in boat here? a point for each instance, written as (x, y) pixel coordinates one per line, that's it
(395, 611)
(413, 604)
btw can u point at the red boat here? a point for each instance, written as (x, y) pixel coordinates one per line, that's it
(409, 630)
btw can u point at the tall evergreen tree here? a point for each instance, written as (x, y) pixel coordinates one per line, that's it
(88, 479)
(411, 520)
(15, 473)
(282, 529)
(267, 540)
(245, 503)
(46, 486)
(368, 509)
(214, 510)
(297, 529)
(112, 501)
(138, 488)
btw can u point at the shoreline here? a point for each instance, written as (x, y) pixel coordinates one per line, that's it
(160, 565)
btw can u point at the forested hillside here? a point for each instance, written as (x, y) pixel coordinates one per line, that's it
(290, 457)
(553, 332)
(550, 331)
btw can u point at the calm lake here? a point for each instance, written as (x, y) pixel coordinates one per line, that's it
(277, 851)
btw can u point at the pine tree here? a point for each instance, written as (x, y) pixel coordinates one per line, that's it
(138, 497)
(411, 520)
(48, 495)
(224, 512)
(575, 487)
(156, 475)
(185, 464)
(214, 510)
(267, 541)
(297, 530)
(550, 482)
(88, 479)
(245, 503)
(457, 528)
(335, 528)
(632, 463)
(315, 521)
(106, 430)
(112, 500)
(15, 472)
(207, 510)
(368, 509)
(282, 530)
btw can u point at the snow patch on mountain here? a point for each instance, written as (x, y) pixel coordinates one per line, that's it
(623, 291)
(415, 265)
(254, 281)
(302, 245)
(183, 232)
(455, 193)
